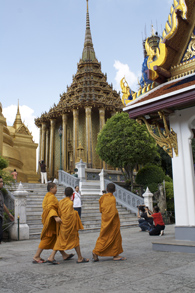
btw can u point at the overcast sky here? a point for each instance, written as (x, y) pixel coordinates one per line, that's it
(41, 42)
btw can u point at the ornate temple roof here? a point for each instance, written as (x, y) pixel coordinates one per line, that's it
(89, 85)
(171, 56)
(19, 126)
(168, 96)
(173, 84)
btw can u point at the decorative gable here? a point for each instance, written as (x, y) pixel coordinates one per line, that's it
(190, 51)
(23, 130)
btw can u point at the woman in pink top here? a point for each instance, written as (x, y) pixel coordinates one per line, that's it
(158, 222)
(14, 174)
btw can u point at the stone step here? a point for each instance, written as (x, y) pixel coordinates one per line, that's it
(87, 224)
(37, 220)
(87, 212)
(91, 217)
(84, 217)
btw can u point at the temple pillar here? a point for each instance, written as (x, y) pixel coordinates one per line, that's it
(102, 117)
(64, 141)
(52, 145)
(113, 113)
(47, 148)
(88, 136)
(75, 134)
(102, 122)
(43, 141)
(183, 175)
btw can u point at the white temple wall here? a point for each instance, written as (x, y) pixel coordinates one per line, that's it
(183, 168)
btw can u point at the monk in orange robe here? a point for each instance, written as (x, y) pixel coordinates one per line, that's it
(68, 237)
(51, 222)
(109, 242)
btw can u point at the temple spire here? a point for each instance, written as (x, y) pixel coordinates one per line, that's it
(18, 120)
(88, 51)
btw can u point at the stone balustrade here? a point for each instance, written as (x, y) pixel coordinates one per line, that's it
(126, 198)
(67, 180)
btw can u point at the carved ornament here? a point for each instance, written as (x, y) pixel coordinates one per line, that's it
(172, 23)
(125, 91)
(166, 139)
(23, 130)
(155, 57)
(190, 53)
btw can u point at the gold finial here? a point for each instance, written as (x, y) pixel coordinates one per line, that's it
(18, 111)
(87, 6)
(18, 120)
(152, 31)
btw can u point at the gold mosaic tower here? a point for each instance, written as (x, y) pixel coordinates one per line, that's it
(18, 147)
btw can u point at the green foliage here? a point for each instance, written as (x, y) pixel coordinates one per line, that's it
(123, 143)
(7, 178)
(3, 163)
(150, 176)
(168, 179)
(153, 187)
(165, 161)
(4, 191)
(169, 195)
(6, 217)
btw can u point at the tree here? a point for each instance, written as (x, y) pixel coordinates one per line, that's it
(124, 143)
(166, 163)
(3, 163)
(150, 176)
(7, 178)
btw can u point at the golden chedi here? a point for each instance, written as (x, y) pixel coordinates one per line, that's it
(18, 147)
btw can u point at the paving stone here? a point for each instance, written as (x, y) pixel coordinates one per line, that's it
(144, 270)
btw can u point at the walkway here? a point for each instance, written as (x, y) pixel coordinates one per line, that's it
(143, 271)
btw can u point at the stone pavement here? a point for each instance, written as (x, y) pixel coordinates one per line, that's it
(144, 270)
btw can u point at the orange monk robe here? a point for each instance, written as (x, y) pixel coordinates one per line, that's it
(50, 227)
(109, 242)
(68, 236)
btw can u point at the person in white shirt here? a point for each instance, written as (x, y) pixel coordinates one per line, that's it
(77, 200)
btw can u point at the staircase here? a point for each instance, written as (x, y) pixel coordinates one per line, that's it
(90, 216)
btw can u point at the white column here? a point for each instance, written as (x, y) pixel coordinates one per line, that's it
(102, 185)
(20, 211)
(148, 201)
(81, 170)
(183, 169)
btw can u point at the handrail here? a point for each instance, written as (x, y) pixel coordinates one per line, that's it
(126, 198)
(9, 200)
(67, 179)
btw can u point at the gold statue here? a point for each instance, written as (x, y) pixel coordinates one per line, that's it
(166, 139)
(125, 91)
(157, 58)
